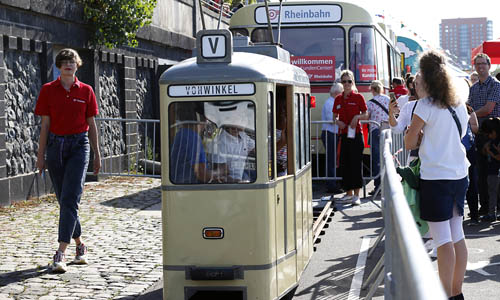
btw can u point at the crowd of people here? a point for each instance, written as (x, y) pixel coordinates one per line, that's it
(456, 139)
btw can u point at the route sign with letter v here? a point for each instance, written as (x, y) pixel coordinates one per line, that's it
(214, 46)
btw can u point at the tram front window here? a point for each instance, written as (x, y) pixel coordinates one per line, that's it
(212, 142)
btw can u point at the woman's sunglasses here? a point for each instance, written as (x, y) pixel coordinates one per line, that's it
(347, 81)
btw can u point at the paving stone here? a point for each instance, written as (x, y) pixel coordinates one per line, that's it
(112, 227)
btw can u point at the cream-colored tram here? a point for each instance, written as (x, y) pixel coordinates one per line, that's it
(236, 172)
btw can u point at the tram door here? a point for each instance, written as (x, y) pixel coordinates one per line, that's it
(284, 191)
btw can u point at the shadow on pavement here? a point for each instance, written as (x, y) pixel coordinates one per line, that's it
(139, 200)
(20, 276)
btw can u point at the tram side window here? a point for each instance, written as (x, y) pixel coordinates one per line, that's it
(362, 53)
(270, 135)
(281, 132)
(296, 128)
(212, 142)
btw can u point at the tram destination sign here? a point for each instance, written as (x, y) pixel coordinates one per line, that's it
(323, 13)
(202, 90)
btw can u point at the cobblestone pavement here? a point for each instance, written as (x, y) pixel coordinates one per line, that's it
(125, 248)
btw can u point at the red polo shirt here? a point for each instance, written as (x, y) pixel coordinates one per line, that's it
(348, 107)
(68, 110)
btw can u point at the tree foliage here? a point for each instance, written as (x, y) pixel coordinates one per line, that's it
(116, 22)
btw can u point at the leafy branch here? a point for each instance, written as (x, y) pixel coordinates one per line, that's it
(116, 22)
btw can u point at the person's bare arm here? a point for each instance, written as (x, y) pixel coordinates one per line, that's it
(339, 123)
(363, 116)
(474, 124)
(486, 109)
(94, 143)
(413, 136)
(393, 110)
(42, 143)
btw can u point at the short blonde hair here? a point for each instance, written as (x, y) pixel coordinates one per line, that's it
(377, 86)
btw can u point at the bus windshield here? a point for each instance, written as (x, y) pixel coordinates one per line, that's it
(212, 142)
(362, 53)
(321, 54)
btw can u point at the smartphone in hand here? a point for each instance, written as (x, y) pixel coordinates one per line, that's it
(392, 96)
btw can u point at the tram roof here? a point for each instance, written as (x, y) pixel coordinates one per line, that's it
(244, 67)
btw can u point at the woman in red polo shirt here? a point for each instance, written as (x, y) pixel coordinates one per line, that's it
(67, 107)
(348, 109)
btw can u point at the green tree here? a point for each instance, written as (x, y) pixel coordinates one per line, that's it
(116, 22)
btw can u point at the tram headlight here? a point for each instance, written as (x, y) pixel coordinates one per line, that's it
(213, 233)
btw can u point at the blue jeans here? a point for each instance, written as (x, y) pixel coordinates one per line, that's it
(330, 142)
(375, 145)
(67, 161)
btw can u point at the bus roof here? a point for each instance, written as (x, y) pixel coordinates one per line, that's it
(245, 67)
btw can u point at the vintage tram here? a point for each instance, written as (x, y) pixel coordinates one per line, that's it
(236, 172)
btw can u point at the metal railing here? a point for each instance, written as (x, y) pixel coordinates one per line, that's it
(323, 155)
(407, 270)
(129, 147)
(217, 6)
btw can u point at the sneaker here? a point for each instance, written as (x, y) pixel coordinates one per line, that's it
(488, 219)
(429, 245)
(473, 222)
(355, 201)
(345, 199)
(59, 263)
(81, 255)
(433, 253)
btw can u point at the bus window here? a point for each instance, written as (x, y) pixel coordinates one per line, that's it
(270, 135)
(308, 132)
(239, 31)
(383, 72)
(362, 53)
(320, 54)
(212, 142)
(390, 56)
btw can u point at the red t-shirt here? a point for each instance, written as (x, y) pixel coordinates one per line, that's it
(348, 107)
(399, 91)
(68, 111)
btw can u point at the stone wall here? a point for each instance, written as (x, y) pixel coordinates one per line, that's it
(125, 80)
(22, 128)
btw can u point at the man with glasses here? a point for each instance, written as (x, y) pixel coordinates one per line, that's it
(484, 97)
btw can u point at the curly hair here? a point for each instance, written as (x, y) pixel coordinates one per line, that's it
(437, 81)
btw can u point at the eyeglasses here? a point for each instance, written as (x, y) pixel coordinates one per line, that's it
(347, 81)
(481, 64)
(68, 62)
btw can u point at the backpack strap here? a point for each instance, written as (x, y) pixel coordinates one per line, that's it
(413, 110)
(454, 115)
(381, 106)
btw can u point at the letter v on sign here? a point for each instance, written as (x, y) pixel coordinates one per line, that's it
(213, 46)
